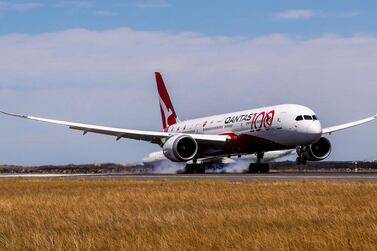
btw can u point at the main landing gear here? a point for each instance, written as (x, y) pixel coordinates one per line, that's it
(259, 167)
(195, 168)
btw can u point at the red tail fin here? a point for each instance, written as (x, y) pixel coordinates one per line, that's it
(168, 115)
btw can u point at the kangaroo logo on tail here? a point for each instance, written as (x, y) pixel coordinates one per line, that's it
(168, 114)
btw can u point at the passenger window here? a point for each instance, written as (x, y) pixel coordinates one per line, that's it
(307, 117)
(298, 118)
(315, 117)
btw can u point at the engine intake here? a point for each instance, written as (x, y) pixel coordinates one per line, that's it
(180, 148)
(320, 150)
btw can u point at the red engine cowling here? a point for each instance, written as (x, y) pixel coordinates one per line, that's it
(320, 150)
(180, 148)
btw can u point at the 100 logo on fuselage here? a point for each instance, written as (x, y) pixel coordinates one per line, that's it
(257, 120)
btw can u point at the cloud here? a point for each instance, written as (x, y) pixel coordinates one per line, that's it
(20, 7)
(76, 4)
(296, 14)
(107, 78)
(348, 14)
(153, 4)
(105, 13)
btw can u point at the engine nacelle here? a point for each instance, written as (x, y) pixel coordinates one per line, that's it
(180, 148)
(320, 150)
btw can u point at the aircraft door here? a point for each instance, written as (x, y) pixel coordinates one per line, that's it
(279, 121)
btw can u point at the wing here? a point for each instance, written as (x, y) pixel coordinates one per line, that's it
(332, 129)
(150, 136)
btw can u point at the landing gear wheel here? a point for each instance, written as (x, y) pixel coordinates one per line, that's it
(259, 168)
(298, 160)
(252, 168)
(265, 168)
(301, 161)
(189, 168)
(200, 168)
(195, 168)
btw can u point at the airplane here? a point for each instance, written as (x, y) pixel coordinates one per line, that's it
(255, 131)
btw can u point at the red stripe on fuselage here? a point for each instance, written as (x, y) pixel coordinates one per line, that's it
(245, 144)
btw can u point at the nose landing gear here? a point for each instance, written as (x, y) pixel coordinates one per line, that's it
(301, 160)
(259, 167)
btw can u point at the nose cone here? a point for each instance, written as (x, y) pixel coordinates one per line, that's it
(314, 131)
(315, 128)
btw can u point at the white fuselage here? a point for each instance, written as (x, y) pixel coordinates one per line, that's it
(262, 129)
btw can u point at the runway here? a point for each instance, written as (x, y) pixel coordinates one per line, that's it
(314, 176)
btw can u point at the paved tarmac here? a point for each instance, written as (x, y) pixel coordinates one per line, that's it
(314, 176)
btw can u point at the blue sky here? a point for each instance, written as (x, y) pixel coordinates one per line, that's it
(236, 18)
(93, 62)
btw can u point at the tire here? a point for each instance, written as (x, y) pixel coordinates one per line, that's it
(192, 168)
(200, 168)
(189, 169)
(259, 168)
(298, 161)
(252, 168)
(265, 168)
(303, 161)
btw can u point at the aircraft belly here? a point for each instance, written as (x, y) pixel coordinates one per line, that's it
(246, 143)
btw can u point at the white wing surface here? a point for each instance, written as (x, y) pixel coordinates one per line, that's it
(150, 136)
(332, 129)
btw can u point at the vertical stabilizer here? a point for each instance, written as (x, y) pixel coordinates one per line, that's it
(168, 115)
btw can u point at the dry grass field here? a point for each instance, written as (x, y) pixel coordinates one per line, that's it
(187, 215)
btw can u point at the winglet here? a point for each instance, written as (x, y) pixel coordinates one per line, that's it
(14, 115)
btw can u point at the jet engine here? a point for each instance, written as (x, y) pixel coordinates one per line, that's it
(180, 148)
(320, 150)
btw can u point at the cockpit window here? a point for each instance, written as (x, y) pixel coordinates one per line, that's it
(298, 118)
(315, 117)
(308, 117)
